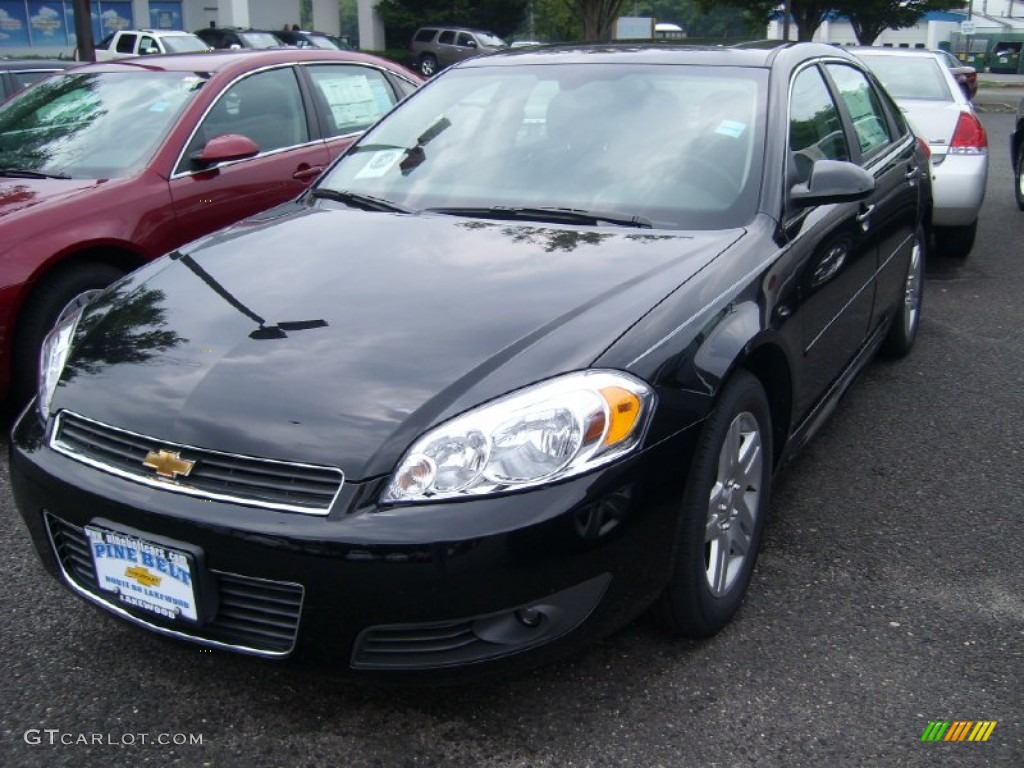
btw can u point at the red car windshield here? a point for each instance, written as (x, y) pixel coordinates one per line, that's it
(92, 125)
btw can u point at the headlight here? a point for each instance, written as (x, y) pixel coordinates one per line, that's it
(52, 357)
(545, 432)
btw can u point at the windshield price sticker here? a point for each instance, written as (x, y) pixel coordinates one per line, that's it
(143, 574)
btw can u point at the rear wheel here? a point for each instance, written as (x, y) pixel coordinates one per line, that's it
(1018, 188)
(904, 325)
(428, 64)
(722, 520)
(955, 242)
(57, 295)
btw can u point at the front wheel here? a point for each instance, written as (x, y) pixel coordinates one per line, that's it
(428, 65)
(722, 519)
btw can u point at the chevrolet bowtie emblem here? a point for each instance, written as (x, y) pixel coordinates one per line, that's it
(168, 463)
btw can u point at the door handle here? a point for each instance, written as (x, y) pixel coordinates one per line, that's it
(912, 172)
(308, 174)
(865, 213)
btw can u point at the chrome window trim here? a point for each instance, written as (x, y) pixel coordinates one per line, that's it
(176, 174)
(121, 612)
(176, 486)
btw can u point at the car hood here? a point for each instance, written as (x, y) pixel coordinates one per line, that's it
(337, 336)
(18, 194)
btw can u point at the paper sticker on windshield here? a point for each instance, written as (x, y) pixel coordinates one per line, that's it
(380, 163)
(730, 128)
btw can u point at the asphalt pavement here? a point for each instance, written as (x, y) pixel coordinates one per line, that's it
(890, 594)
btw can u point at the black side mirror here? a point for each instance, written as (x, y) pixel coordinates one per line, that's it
(832, 181)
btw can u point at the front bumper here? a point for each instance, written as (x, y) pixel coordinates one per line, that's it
(958, 189)
(441, 590)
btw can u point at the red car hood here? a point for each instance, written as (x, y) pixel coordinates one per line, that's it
(18, 194)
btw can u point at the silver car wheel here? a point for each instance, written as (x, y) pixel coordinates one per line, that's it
(733, 504)
(912, 293)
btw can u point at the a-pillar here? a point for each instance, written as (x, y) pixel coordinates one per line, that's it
(326, 17)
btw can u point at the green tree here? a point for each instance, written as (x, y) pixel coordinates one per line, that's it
(597, 17)
(807, 15)
(870, 18)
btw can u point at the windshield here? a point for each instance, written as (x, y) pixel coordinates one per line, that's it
(95, 125)
(491, 41)
(679, 146)
(322, 42)
(184, 44)
(260, 39)
(911, 77)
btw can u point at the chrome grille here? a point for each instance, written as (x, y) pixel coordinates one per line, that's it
(246, 480)
(253, 615)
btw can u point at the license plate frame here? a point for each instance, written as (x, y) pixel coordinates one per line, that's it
(147, 573)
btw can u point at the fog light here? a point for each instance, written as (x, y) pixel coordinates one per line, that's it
(529, 617)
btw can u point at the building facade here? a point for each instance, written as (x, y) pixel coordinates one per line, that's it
(47, 27)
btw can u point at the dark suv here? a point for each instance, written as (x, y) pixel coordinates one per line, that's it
(239, 38)
(434, 48)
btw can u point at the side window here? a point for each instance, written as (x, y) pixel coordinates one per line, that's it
(266, 107)
(126, 43)
(447, 38)
(355, 96)
(865, 109)
(815, 129)
(148, 45)
(466, 41)
(404, 87)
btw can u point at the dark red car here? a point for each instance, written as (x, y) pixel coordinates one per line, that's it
(110, 165)
(966, 75)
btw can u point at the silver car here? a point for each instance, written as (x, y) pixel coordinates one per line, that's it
(941, 114)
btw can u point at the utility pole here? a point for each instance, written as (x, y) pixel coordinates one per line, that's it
(83, 30)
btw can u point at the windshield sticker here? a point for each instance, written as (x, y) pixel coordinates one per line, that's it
(380, 163)
(159, 106)
(730, 128)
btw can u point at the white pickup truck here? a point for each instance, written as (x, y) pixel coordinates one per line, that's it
(142, 42)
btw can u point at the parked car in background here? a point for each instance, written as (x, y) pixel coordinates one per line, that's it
(494, 386)
(434, 48)
(146, 42)
(1017, 156)
(109, 165)
(965, 74)
(16, 74)
(225, 37)
(942, 115)
(301, 38)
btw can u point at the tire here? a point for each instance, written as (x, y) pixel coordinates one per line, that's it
(1018, 187)
(955, 242)
(709, 581)
(428, 64)
(903, 331)
(56, 294)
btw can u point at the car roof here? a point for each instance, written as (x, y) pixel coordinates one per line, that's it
(223, 60)
(655, 53)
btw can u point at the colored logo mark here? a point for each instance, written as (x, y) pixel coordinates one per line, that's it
(958, 730)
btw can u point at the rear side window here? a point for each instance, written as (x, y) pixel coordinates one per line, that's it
(355, 96)
(447, 38)
(865, 110)
(425, 35)
(126, 44)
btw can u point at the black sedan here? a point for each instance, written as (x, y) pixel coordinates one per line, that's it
(522, 365)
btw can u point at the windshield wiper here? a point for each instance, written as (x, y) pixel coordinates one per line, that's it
(357, 200)
(548, 214)
(22, 173)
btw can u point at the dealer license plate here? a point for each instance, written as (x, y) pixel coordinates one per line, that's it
(143, 574)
